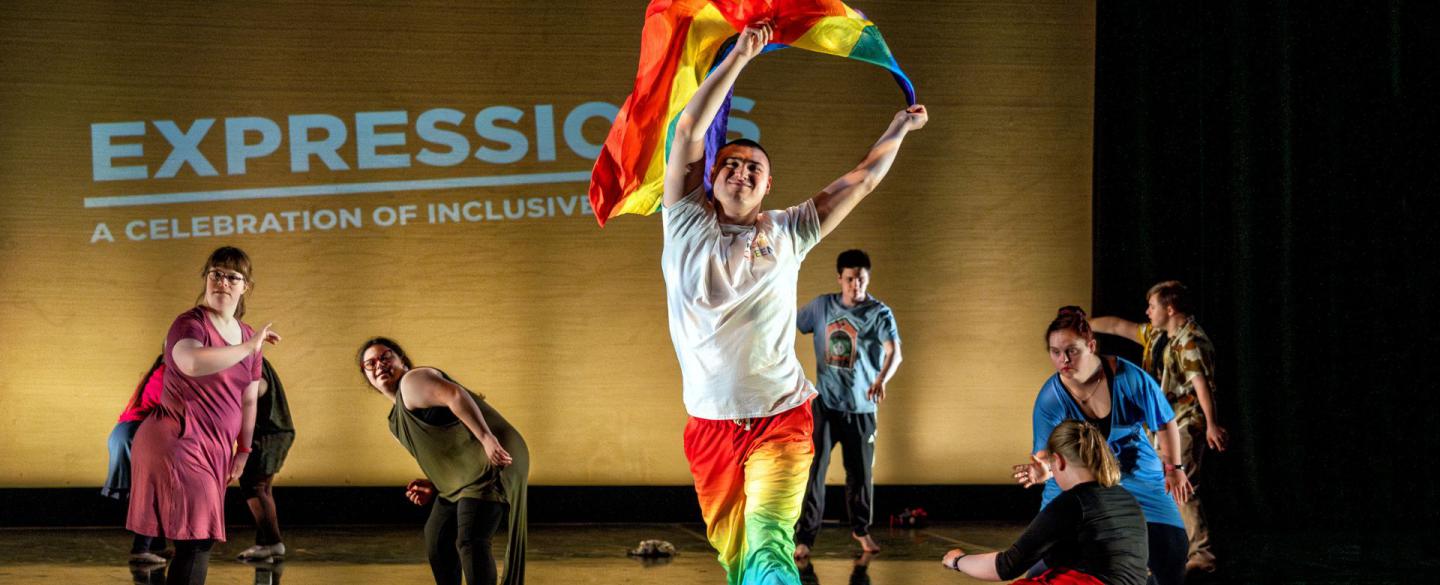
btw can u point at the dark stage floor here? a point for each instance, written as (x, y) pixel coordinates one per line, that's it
(583, 554)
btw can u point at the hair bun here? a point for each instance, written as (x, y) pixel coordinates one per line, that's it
(1071, 310)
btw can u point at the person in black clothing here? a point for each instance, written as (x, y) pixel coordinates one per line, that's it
(274, 433)
(1093, 533)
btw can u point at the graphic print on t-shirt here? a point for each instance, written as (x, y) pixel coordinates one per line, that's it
(840, 339)
(762, 246)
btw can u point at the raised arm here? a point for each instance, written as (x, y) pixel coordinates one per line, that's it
(684, 169)
(1118, 327)
(426, 388)
(842, 195)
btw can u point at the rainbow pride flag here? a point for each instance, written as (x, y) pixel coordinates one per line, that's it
(681, 43)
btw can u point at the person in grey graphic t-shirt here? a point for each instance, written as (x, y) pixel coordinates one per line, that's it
(857, 350)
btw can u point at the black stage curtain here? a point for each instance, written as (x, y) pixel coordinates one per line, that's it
(1280, 158)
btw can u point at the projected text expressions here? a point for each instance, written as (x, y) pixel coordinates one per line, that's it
(381, 140)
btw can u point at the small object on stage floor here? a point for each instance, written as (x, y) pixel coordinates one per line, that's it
(909, 518)
(653, 552)
(653, 549)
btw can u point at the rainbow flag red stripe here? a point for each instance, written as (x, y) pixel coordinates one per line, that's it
(681, 43)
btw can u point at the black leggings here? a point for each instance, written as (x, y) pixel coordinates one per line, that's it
(458, 537)
(191, 562)
(1169, 549)
(144, 544)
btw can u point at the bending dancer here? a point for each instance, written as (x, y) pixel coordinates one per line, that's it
(198, 439)
(472, 458)
(857, 351)
(1120, 400)
(1093, 533)
(144, 550)
(730, 274)
(274, 433)
(1187, 376)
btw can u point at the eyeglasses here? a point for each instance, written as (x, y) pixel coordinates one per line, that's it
(218, 276)
(373, 364)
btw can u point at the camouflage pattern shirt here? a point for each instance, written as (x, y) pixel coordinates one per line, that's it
(1152, 342)
(1189, 354)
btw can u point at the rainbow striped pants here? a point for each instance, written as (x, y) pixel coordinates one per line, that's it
(750, 477)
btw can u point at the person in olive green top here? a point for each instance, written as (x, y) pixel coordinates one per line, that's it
(473, 459)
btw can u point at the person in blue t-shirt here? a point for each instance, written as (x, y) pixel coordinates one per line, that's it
(857, 350)
(1122, 401)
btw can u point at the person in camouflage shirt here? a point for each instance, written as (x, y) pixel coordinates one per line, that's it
(1186, 372)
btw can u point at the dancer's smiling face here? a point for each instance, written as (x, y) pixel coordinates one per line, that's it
(383, 367)
(1071, 353)
(741, 177)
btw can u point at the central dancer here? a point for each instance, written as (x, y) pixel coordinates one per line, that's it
(730, 278)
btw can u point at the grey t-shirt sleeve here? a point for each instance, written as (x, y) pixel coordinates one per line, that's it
(888, 330)
(810, 314)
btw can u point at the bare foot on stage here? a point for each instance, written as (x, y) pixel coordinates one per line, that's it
(867, 544)
(864, 559)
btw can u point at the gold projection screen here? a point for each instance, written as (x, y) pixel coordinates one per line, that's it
(320, 137)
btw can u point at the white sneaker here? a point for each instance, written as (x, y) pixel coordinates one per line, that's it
(261, 552)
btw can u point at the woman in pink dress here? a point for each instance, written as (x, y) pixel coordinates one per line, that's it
(185, 452)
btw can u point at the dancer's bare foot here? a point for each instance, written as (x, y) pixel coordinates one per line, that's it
(864, 559)
(802, 551)
(1201, 561)
(867, 544)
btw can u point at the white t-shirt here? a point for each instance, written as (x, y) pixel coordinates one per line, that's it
(731, 294)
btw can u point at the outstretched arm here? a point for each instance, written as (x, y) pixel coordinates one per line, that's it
(193, 359)
(1035, 472)
(1117, 327)
(842, 195)
(979, 566)
(684, 170)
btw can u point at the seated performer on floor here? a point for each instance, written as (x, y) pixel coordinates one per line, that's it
(1092, 533)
